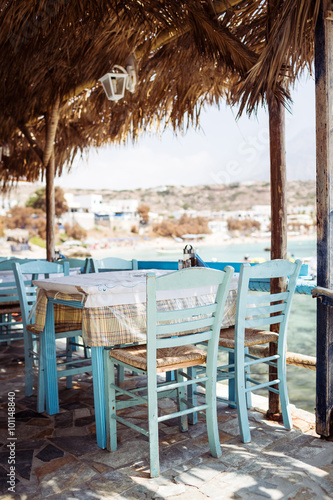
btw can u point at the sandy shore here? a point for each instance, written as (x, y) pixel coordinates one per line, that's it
(128, 248)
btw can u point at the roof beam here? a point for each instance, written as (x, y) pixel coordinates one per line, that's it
(33, 143)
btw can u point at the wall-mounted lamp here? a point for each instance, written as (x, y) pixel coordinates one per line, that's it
(115, 82)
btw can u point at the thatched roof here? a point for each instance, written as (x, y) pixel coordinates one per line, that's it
(188, 54)
(282, 34)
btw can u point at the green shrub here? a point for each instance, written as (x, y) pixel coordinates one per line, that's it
(35, 240)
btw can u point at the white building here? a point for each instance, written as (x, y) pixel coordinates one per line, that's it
(88, 210)
(88, 203)
(127, 209)
(301, 223)
(82, 209)
(218, 226)
(6, 203)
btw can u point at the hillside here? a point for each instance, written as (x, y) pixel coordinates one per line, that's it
(214, 197)
(167, 199)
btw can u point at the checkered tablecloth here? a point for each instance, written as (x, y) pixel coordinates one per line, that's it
(110, 325)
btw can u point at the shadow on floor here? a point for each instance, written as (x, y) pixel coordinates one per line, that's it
(57, 456)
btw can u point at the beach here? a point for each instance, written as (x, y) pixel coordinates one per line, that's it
(215, 246)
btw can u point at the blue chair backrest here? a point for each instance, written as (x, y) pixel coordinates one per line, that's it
(8, 288)
(26, 273)
(166, 328)
(261, 310)
(6, 263)
(112, 264)
(83, 264)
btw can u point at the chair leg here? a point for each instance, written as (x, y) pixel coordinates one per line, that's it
(2, 325)
(153, 425)
(28, 360)
(243, 420)
(69, 357)
(75, 341)
(231, 381)
(211, 417)
(35, 350)
(283, 390)
(120, 374)
(183, 424)
(170, 376)
(191, 396)
(41, 374)
(247, 382)
(87, 353)
(110, 402)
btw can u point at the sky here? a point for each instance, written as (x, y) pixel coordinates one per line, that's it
(223, 151)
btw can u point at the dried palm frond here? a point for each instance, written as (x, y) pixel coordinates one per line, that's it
(286, 49)
(189, 54)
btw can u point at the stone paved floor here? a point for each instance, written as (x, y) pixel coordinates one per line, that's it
(57, 456)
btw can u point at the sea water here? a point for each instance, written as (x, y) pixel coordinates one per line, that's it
(302, 322)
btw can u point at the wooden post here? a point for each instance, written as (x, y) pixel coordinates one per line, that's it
(278, 218)
(324, 146)
(52, 119)
(50, 209)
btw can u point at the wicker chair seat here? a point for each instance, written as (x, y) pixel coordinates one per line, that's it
(10, 308)
(253, 336)
(66, 327)
(170, 358)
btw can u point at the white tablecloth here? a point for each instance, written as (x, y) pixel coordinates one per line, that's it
(116, 287)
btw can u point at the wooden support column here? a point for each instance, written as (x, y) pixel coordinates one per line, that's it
(324, 146)
(50, 209)
(278, 218)
(52, 119)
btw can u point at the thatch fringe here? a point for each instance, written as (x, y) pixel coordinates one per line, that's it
(190, 54)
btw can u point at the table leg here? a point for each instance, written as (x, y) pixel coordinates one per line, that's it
(50, 363)
(99, 396)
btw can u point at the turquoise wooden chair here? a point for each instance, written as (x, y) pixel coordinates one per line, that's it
(83, 264)
(27, 296)
(11, 327)
(254, 315)
(169, 349)
(112, 264)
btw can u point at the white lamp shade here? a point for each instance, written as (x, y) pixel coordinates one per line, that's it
(114, 83)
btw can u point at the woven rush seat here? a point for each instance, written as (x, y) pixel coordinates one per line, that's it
(166, 358)
(10, 308)
(64, 327)
(253, 336)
